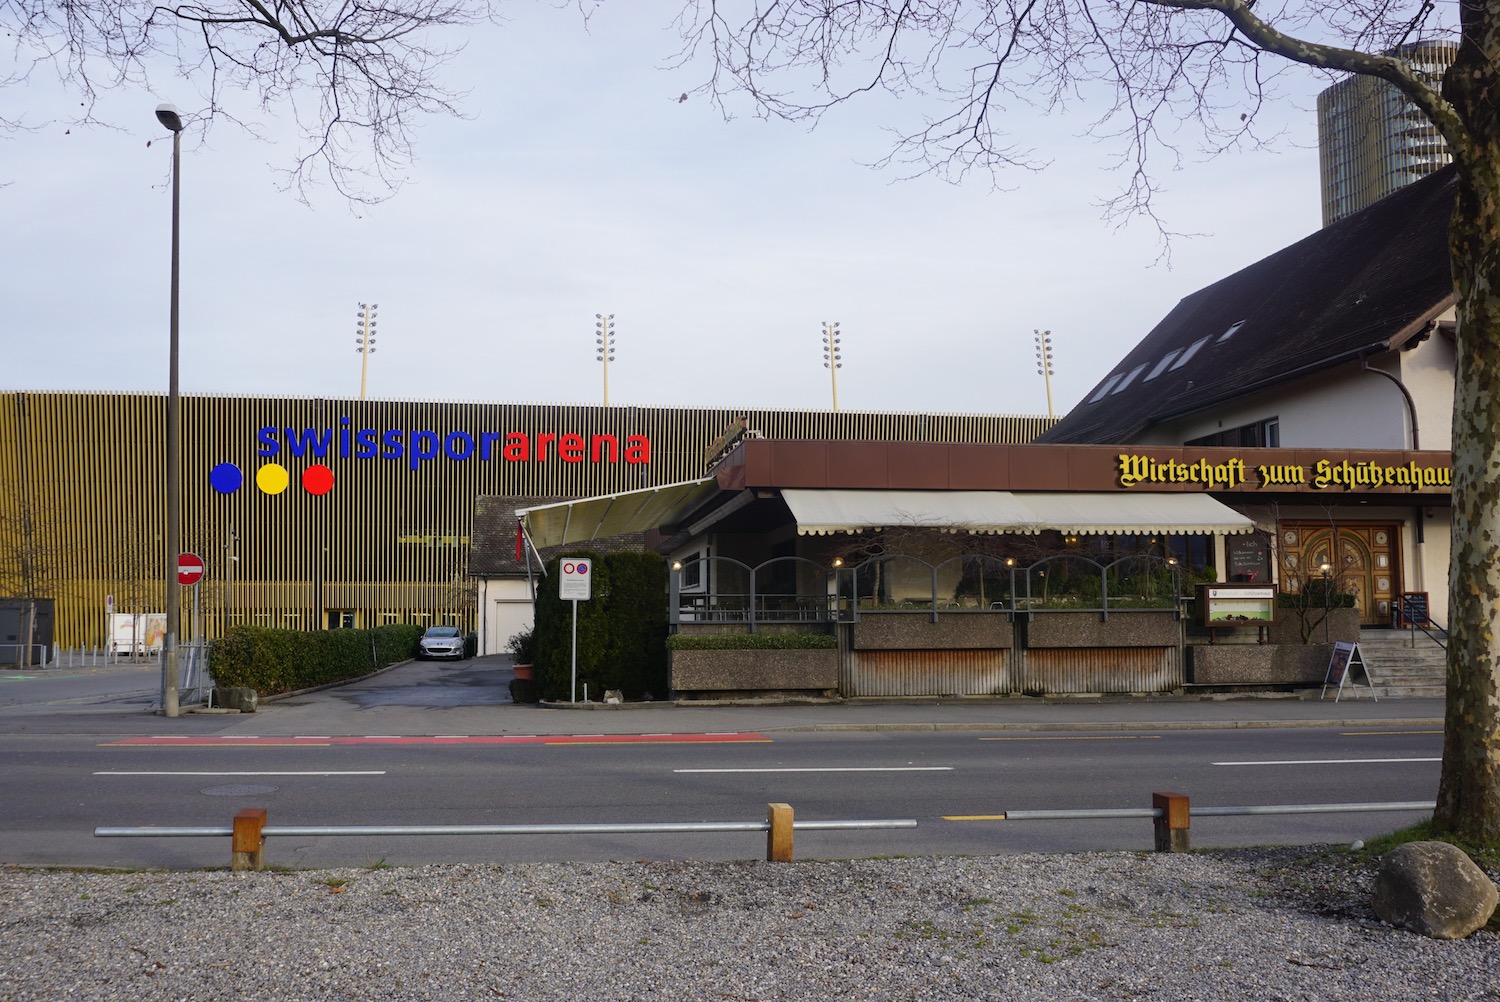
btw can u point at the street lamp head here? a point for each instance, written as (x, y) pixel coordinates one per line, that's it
(167, 115)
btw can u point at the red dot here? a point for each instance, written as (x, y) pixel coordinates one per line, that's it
(317, 479)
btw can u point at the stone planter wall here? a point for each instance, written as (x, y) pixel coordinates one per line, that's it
(1258, 664)
(751, 671)
(915, 631)
(1086, 629)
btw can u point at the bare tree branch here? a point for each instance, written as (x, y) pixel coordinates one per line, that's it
(1155, 66)
(355, 75)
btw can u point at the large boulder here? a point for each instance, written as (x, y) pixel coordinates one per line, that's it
(1434, 889)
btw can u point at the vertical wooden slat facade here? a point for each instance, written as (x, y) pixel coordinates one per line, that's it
(388, 542)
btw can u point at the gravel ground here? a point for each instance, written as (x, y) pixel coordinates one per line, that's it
(1265, 924)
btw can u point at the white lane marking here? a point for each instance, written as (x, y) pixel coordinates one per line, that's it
(1332, 761)
(870, 768)
(380, 772)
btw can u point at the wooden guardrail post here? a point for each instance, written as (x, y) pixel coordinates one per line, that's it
(247, 840)
(1172, 824)
(779, 834)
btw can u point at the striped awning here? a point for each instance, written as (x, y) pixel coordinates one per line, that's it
(825, 512)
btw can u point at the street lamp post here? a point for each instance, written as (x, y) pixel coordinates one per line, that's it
(167, 116)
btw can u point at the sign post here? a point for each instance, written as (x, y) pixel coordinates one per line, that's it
(575, 583)
(189, 572)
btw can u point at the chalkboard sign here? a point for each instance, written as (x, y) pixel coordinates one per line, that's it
(1248, 560)
(1411, 609)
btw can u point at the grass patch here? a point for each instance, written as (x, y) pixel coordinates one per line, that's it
(1487, 857)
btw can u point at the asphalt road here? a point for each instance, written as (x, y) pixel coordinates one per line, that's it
(116, 766)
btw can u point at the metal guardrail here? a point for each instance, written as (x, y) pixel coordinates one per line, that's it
(1217, 812)
(664, 827)
(250, 831)
(1171, 814)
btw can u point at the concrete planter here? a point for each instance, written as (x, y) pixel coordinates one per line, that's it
(754, 670)
(1342, 625)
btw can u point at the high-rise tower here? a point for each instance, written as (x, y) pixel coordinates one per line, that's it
(1372, 139)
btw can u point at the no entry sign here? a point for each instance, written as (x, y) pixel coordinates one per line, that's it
(189, 568)
(576, 581)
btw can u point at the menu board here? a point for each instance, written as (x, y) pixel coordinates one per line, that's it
(1411, 609)
(1247, 558)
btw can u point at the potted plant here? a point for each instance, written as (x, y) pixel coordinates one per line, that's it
(522, 647)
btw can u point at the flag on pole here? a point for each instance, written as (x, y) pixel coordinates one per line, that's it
(520, 540)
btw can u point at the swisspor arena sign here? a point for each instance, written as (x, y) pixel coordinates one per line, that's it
(414, 447)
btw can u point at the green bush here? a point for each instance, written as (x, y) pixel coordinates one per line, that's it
(751, 642)
(1311, 599)
(275, 661)
(622, 629)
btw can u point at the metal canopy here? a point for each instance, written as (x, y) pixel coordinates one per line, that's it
(824, 512)
(587, 519)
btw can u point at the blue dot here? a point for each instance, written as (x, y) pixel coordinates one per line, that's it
(226, 478)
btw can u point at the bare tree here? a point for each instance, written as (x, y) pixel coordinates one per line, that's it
(1153, 64)
(31, 562)
(354, 76)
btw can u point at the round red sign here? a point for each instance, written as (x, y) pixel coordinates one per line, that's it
(189, 568)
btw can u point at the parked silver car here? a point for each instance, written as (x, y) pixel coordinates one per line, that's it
(441, 642)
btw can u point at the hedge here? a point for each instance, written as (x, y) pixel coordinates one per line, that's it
(622, 629)
(751, 642)
(275, 661)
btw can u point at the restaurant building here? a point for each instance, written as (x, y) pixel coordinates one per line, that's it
(1286, 429)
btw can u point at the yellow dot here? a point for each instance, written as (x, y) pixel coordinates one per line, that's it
(272, 478)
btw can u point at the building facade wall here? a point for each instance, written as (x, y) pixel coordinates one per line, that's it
(1342, 407)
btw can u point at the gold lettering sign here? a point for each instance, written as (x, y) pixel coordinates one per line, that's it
(1326, 474)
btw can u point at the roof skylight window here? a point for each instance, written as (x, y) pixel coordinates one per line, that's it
(1189, 352)
(1161, 366)
(1230, 332)
(1103, 390)
(1129, 378)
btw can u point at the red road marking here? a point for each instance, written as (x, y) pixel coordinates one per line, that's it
(478, 739)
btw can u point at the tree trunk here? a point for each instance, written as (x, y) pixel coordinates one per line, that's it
(1468, 802)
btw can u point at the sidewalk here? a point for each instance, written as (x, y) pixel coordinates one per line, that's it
(471, 698)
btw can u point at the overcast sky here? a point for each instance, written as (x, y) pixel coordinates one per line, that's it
(578, 185)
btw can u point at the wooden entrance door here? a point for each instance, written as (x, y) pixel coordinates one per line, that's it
(1363, 559)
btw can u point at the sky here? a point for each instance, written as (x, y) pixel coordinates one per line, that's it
(579, 184)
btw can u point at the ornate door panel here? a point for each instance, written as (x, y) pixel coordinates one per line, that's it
(1361, 559)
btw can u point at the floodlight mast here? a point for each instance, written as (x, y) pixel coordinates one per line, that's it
(1044, 363)
(833, 358)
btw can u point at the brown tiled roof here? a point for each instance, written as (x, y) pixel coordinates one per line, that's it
(1365, 283)
(494, 541)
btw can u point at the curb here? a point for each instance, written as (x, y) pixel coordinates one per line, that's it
(1116, 725)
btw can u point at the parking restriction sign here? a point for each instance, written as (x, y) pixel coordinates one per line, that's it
(576, 581)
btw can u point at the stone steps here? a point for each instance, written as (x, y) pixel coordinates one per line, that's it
(1400, 669)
